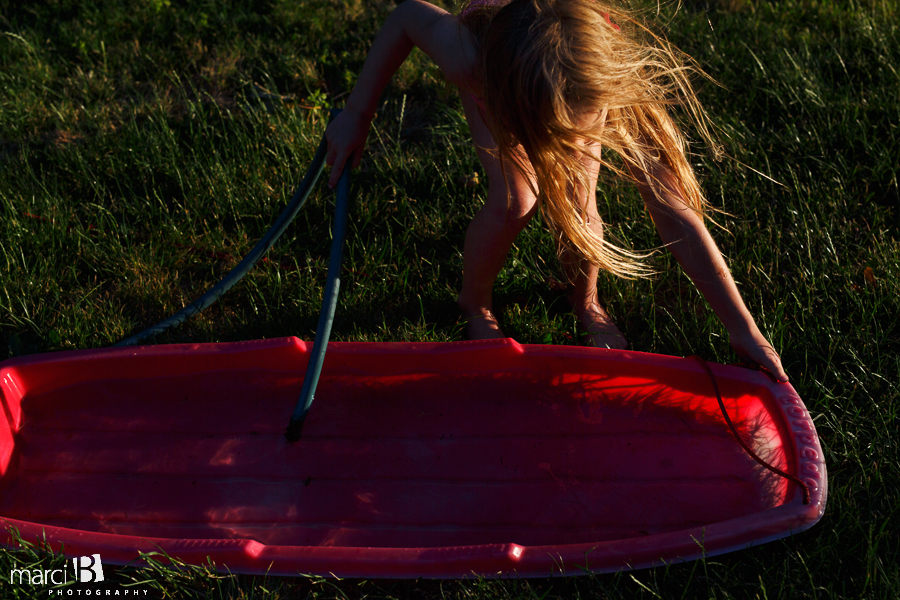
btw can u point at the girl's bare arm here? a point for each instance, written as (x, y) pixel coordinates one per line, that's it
(412, 24)
(685, 235)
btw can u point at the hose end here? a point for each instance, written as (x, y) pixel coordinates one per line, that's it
(295, 428)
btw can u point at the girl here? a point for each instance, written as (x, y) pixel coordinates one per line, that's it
(545, 84)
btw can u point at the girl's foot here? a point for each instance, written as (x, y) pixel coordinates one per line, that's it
(599, 327)
(482, 325)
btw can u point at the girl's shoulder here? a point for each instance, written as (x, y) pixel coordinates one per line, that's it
(474, 18)
(449, 43)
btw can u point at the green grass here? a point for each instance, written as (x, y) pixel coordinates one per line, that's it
(146, 145)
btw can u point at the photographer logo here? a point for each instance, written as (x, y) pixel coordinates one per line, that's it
(88, 569)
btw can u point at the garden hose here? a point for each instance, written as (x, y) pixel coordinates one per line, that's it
(242, 268)
(332, 281)
(326, 315)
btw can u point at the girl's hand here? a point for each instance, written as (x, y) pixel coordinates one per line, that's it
(346, 136)
(413, 23)
(753, 346)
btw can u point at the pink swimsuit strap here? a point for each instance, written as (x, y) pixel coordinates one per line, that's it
(479, 101)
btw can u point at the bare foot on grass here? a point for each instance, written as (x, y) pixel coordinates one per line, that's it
(599, 328)
(482, 325)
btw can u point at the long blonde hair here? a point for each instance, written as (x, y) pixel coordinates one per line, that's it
(545, 64)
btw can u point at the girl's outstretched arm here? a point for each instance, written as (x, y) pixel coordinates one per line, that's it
(414, 23)
(685, 235)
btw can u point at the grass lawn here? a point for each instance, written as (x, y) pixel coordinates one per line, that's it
(145, 145)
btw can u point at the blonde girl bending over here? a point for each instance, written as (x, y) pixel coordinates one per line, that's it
(545, 85)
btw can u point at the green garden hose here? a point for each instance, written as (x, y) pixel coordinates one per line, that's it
(332, 281)
(326, 315)
(235, 275)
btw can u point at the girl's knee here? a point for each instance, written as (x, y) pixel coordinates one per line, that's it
(515, 206)
(514, 216)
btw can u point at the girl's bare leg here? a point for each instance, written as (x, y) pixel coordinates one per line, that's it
(488, 239)
(491, 233)
(593, 318)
